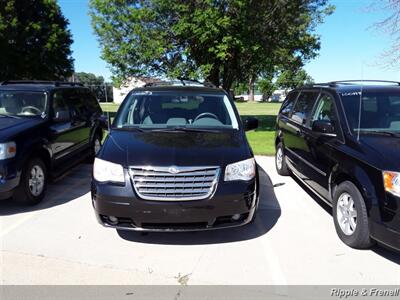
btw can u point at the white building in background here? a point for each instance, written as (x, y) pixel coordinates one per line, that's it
(134, 82)
(245, 97)
(278, 96)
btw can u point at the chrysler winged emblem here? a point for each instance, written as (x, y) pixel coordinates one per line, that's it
(173, 170)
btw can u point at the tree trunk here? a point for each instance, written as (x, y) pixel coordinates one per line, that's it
(227, 80)
(251, 88)
(214, 76)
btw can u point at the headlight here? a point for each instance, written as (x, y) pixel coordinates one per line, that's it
(105, 171)
(392, 182)
(242, 170)
(7, 150)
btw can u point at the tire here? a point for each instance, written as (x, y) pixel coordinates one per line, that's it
(33, 183)
(280, 161)
(95, 147)
(350, 216)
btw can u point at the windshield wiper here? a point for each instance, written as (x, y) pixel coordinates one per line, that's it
(132, 128)
(10, 116)
(381, 132)
(184, 129)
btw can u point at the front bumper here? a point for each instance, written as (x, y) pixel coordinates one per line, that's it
(386, 235)
(133, 213)
(9, 178)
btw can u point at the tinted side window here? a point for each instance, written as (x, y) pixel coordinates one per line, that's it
(303, 107)
(90, 102)
(75, 103)
(58, 103)
(287, 106)
(325, 111)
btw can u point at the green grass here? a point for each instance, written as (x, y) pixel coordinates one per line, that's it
(261, 139)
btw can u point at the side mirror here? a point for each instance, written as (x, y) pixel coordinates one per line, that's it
(324, 128)
(250, 123)
(62, 116)
(103, 122)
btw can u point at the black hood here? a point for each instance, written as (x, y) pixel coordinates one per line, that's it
(386, 150)
(175, 148)
(10, 127)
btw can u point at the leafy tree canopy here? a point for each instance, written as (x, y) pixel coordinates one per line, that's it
(222, 41)
(291, 79)
(88, 78)
(34, 40)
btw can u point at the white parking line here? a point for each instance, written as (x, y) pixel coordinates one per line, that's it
(18, 223)
(272, 260)
(30, 215)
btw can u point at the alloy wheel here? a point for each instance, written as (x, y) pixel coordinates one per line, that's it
(279, 158)
(346, 214)
(97, 145)
(36, 180)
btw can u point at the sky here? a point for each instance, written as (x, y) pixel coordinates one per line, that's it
(350, 47)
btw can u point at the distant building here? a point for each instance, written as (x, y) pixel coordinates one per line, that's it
(245, 97)
(134, 82)
(278, 96)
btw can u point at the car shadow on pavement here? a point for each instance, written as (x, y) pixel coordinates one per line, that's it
(267, 216)
(74, 184)
(381, 250)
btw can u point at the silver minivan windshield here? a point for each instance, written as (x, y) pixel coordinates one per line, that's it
(163, 110)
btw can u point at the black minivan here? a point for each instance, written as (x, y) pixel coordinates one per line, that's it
(176, 159)
(342, 140)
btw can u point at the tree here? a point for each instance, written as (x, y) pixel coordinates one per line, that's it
(34, 40)
(96, 84)
(267, 86)
(223, 41)
(390, 25)
(88, 78)
(291, 79)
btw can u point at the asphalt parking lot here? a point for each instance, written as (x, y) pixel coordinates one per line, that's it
(292, 241)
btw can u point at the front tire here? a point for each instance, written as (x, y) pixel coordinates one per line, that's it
(95, 147)
(32, 187)
(350, 216)
(280, 161)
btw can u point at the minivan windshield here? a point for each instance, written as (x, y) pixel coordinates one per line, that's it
(22, 103)
(379, 112)
(171, 110)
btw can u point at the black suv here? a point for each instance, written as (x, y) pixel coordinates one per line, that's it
(176, 159)
(342, 140)
(45, 128)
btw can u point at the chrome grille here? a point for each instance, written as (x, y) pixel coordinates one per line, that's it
(174, 183)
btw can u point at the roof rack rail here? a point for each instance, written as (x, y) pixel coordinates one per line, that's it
(42, 82)
(181, 82)
(349, 82)
(317, 84)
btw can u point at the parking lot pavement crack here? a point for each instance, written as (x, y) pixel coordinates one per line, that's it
(199, 260)
(41, 256)
(181, 279)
